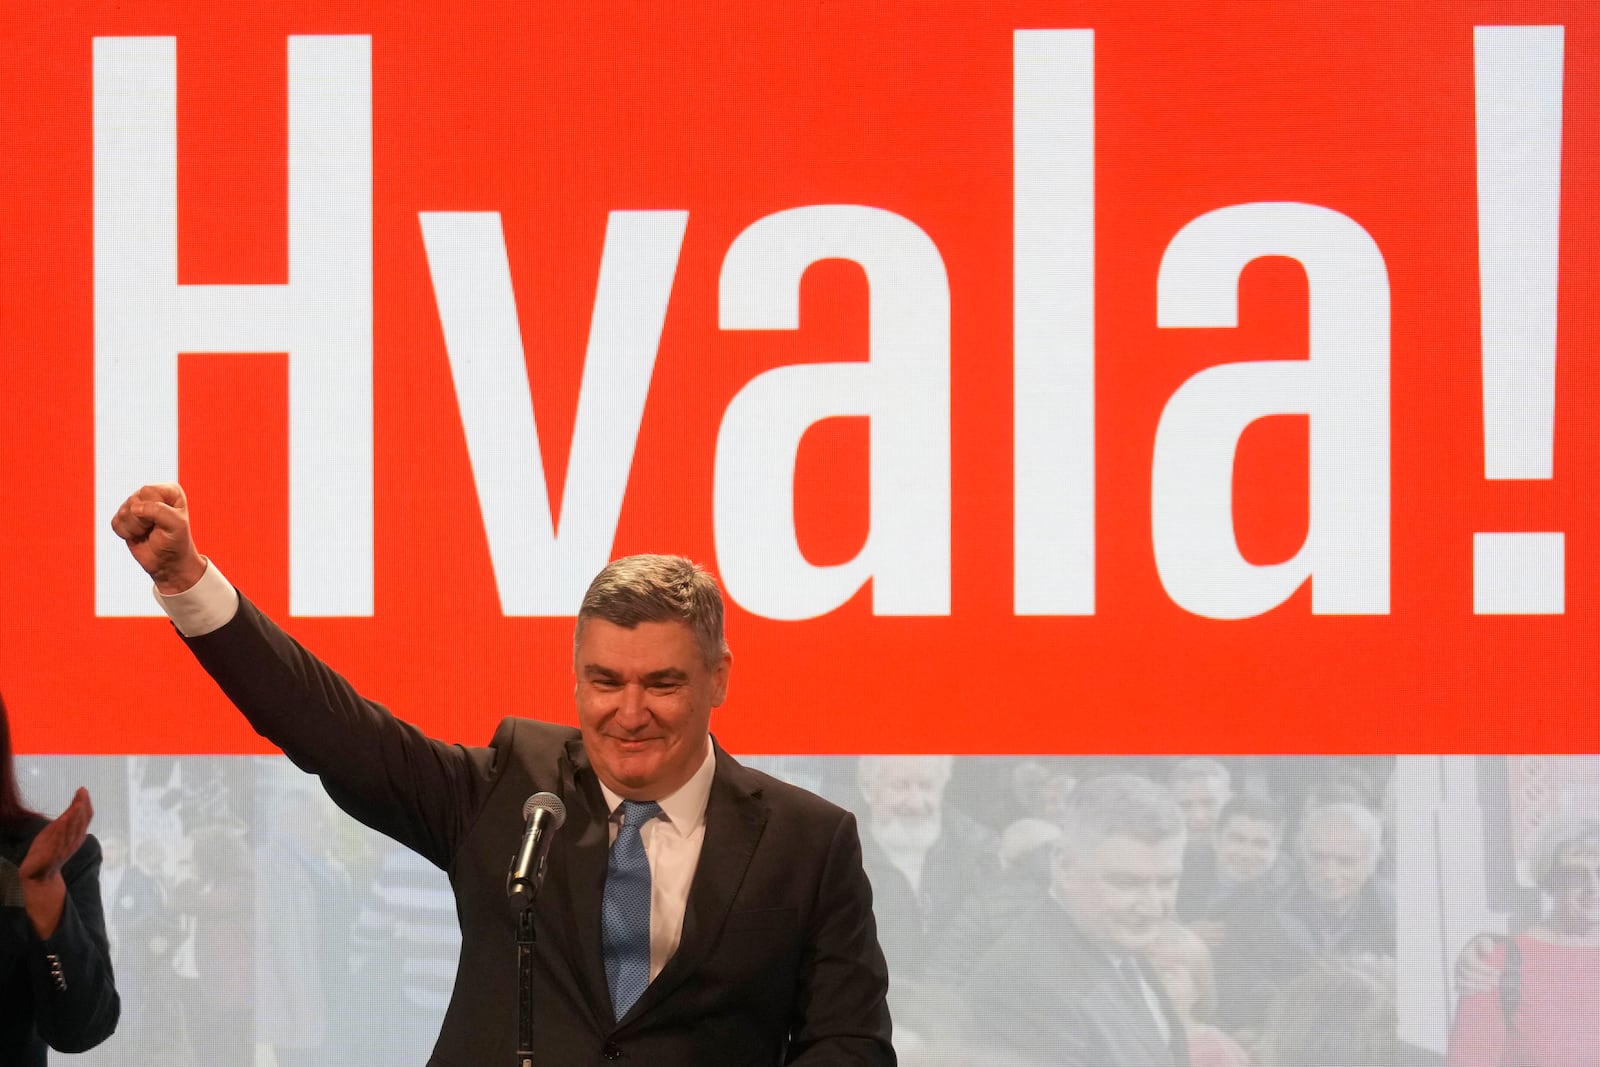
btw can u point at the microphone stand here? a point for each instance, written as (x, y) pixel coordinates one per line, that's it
(525, 943)
(523, 886)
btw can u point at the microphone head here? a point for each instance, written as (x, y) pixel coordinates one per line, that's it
(548, 803)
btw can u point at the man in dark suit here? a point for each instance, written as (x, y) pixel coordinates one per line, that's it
(760, 943)
(1068, 985)
(1239, 875)
(924, 857)
(1339, 912)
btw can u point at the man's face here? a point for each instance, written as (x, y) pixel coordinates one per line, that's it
(1200, 800)
(644, 699)
(1338, 860)
(908, 788)
(904, 796)
(1122, 891)
(1246, 848)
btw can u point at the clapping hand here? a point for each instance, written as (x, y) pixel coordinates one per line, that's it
(44, 891)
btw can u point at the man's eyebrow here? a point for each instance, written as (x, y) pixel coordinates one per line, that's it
(666, 674)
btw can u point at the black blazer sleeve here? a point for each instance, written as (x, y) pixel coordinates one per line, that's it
(383, 771)
(74, 995)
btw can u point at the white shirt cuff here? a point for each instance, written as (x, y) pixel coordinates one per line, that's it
(205, 606)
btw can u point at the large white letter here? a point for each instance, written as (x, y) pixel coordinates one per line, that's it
(322, 317)
(903, 388)
(1342, 385)
(537, 570)
(1053, 317)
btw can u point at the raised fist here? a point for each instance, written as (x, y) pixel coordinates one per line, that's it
(154, 522)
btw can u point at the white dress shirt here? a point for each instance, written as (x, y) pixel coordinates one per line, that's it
(672, 840)
(672, 843)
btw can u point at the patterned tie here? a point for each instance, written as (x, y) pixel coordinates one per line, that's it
(625, 909)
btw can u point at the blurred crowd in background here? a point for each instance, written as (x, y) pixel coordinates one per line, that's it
(1219, 912)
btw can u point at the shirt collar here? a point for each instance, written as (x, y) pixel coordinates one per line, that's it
(685, 809)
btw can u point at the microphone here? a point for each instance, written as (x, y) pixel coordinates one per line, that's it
(544, 813)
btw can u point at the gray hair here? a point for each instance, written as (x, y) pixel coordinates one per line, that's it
(1199, 768)
(1357, 815)
(870, 768)
(651, 588)
(1251, 806)
(1119, 804)
(1558, 833)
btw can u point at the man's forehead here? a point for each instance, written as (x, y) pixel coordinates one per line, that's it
(1335, 836)
(1125, 852)
(913, 775)
(905, 770)
(1250, 826)
(649, 631)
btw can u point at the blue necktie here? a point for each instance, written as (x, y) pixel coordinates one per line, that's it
(625, 909)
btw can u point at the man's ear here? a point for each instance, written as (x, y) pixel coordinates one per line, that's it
(719, 680)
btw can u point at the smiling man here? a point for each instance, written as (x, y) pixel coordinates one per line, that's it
(1238, 877)
(694, 912)
(646, 681)
(1068, 985)
(1338, 911)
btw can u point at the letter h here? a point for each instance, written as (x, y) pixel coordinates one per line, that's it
(322, 317)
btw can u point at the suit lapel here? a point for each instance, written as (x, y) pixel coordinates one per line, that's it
(1176, 1046)
(583, 882)
(1125, 1007)
(735, 818)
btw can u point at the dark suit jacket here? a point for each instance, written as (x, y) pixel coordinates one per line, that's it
(1046, 996)
(57, 992)
(1203, 895)
(912, 925)
(1293, 939)
(779, 960)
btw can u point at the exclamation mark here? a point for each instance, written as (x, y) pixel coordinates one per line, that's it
(1518, 97)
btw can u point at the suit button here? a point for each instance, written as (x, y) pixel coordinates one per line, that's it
(611, 1052)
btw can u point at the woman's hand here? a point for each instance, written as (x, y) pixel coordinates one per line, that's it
(44, 891)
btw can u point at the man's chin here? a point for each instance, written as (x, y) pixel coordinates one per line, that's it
(633, 769)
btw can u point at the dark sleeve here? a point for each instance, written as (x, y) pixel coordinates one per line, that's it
(841, 1010)
(1251, 968)
(1018, 1012)
(379, 769)
(74, 995)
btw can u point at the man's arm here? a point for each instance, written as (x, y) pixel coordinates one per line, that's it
(383, 771)
(1018, 1011)
(841, 1011)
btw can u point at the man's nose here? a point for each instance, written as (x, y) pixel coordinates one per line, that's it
(632, 703)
